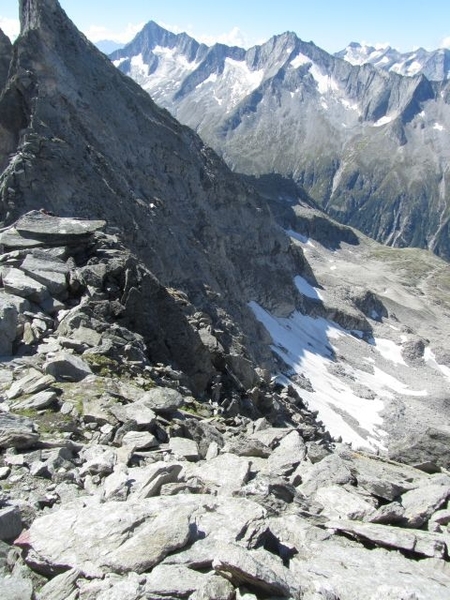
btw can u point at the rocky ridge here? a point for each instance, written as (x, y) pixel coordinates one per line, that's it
(154, 494)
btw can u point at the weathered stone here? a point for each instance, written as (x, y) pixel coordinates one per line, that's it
(227, 472)
(112, 587)
(173, 581)
(116, 485)
(421, 503)
(61, 586)
(331, 470)
(152, 542)
(289, 453)
(67, 367)
(4, 472)
(138, 412)
(162, 400)
(99, 460)
(270, 436)
(36, 228)
(339, 503)
(51, 273)
(10, 523)
(38, 401)
(19, 284)
(139, 440)
(112, 536)
(154, 476)
(16, 432)
(214, 588)
(387, 514)
(419, 542)
(8, 325)
(32, 383)
(259, 569)
(184, 448)
(245, 446)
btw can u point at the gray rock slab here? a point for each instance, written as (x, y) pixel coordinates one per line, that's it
(106, 537)
(139, 412)
(16, 432)
(16, 587)
(38, 401)
(10, 523)
(331, 470)
(139, 440)
(51, 273)
(16, 282)
(245, 446)
(112, 587)
(227, 472)
(184, 448)
(61, 586)
(31, 383)
(174, 581)
(163, 400)
(271, 435)
(419, 542)
(153, 477)
(340, 503)
(8, 325)
(338, 568)
(67, 367)
(289, 453)
(214, 588)
(36, 228)
(256, 568)
(421, 503)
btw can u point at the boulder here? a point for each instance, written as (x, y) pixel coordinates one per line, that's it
(118, 537)
(421, 543)
(61, 586)
(340, 503)
(10, 523)
(155, 476)
(227, 472)
(174, 581)
(162, 400)
(289, 453)
(38, 401)
(139, 440)
(258, 569)
(67, 367)
(184, 448)
(8, 324)
(420, 504)
(16, 432)
(214, 588)
(31, 383)
(51, 273)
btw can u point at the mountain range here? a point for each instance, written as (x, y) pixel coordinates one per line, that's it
(208, 386)
(367, 145)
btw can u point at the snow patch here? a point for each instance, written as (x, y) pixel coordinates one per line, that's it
(325, 83)
(299, 237)
(383, 121)
(300, 60)
(431, 361)
(390, 350)
(307, 289)
(438, 127)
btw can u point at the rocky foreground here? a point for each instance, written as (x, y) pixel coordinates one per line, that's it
(118, 482)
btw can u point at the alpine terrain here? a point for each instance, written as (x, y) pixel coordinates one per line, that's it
(369, 146)
(209, 389)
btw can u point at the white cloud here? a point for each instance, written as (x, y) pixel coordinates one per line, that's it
(97, 33)
(11, 27)
(234, 37)
(445, 43)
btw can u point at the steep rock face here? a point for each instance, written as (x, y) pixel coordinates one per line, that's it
(80, 139)
(368, 145)
(5, 57)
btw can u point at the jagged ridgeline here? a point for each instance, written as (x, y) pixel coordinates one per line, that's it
(370, 146)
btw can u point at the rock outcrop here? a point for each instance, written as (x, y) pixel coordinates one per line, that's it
(157, 494)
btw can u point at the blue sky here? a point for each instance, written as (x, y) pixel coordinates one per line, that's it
(331, 24)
